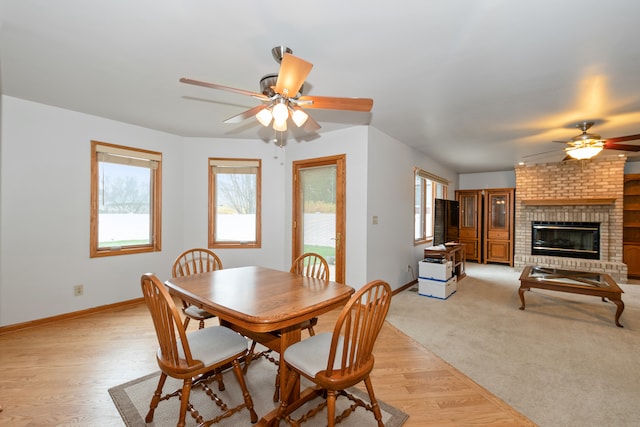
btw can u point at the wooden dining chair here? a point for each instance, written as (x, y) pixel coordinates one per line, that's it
(339, 360)
(195, 261)
(193, 357)
(309, 264)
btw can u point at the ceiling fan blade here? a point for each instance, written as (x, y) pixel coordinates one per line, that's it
(541, 153)
(623, 138)
(293, 72)
(624, 147)
(225, 88)
(246, 114)
(333, 103)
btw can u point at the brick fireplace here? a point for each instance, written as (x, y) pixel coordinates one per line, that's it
(574, 191)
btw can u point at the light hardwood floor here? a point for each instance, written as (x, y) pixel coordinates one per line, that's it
(58, 374)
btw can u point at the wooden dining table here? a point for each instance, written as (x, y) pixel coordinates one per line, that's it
(256, 301)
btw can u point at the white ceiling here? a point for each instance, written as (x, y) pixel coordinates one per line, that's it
(475, 84)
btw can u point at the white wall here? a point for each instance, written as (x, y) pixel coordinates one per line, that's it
(390, 197)
(632, 166)
(45, 209)
(195, 199)
(479, 181)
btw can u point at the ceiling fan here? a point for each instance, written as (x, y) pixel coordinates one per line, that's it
(282, 98)
(587, 145)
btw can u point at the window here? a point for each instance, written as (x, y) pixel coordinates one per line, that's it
(428, 187)
(234, 203)
(125, 200)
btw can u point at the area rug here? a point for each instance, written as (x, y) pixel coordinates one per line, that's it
(560, 362)
(132, 400)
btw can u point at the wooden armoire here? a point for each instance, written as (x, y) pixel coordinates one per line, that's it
(487, 224)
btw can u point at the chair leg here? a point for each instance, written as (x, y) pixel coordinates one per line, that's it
(155, 399)
(186, 322)
(276, 393)
(245, 393)
(249, 357)
(201, 325)
(219, 379)
(331, 408)
(374, 403)
(312, 332)
(184, 401)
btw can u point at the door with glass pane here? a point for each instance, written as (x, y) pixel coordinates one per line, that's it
(319, 211)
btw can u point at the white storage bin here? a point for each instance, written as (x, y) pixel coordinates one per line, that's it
(434, 270)
(437, 288)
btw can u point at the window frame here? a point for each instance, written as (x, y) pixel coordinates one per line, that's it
(426, 234)
(155, 205)
(214, 162)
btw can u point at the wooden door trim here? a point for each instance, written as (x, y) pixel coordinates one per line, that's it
(340, 161)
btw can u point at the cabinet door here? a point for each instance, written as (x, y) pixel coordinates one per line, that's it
(468, 214)
(470, 224)
(470, 248)
(498, 251)
(498, 219)
(498, 215)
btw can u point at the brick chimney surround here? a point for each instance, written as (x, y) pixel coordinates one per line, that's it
(576, 190)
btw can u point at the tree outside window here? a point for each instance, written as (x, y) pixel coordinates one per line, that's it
(234, 203)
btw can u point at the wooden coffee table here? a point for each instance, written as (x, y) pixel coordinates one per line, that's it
(574, 282)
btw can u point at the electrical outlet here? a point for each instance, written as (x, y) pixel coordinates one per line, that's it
(78, 290)
(409, 268)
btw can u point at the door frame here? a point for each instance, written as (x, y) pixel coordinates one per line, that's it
(340, 162)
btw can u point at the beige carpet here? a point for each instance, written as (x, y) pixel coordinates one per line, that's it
(560, 362)
(132, 400)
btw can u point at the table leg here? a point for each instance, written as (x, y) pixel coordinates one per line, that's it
(619, 309)
(521, 293)
(288, 336)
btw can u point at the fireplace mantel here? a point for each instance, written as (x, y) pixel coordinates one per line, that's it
(569, 202)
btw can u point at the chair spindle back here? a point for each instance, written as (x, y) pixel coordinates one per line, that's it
(167, 323)
(357, 329)
(196, 261)
(312, 265)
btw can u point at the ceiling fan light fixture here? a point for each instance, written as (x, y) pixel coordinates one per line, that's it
(280, 112)
(264, 116)
(299, 117)
(280, 126)
(586, 150)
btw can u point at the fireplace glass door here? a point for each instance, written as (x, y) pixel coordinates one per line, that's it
(566, 239)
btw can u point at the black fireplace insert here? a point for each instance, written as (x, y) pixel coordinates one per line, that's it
(566, 239)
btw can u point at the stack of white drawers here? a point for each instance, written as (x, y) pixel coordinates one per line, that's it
(436, 279)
